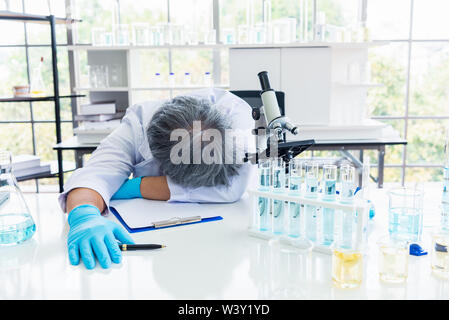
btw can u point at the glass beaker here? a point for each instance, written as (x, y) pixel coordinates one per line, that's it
(405, 213)
(439, 253)
(210, 37)
(98, 36)
(157, 35)
(122, 35)
(244, 34)
(393, 259)
(16, 223)
(263, 204)
(347, 267)
(141, 35)
(228, 36)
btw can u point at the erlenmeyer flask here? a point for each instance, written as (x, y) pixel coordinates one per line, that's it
(16, 223)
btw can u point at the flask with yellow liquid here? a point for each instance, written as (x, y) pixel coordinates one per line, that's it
(37, 82)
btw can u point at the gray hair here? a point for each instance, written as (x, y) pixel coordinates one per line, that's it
(180, 113)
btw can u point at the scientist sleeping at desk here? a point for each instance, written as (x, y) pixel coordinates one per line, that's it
(143, 146)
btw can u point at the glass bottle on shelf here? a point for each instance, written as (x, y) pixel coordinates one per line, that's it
(16, 222)
(37, 82)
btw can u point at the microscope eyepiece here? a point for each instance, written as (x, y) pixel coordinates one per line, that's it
(264, 82)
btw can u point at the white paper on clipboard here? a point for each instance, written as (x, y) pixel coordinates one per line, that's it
(142, 213)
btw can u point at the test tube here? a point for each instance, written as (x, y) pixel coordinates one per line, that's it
(311, 215)
(278, 170)
(263, 204)
(296, 178)
(329, 194)
(347, 176)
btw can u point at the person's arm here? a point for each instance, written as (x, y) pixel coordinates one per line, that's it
(80, 196)
(152, 188)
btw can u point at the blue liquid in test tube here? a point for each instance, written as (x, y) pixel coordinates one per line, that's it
(445, 201)
(263, 203)
(296, 178)
(329, 194)
(347, 196)
(311, 215)
(278, 187)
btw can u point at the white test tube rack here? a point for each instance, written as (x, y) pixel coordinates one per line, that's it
(358, 207)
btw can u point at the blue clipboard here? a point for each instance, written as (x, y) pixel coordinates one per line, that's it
(153, 227)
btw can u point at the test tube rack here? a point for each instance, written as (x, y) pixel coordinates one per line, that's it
(358, 207)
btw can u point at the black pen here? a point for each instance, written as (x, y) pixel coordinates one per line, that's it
(132, 247)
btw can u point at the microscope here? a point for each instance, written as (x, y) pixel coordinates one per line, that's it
(271, 128)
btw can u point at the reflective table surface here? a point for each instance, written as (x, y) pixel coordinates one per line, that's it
(214, 260)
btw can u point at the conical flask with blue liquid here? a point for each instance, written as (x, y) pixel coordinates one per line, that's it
(16, 222)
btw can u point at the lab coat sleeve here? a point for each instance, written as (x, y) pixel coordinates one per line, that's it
(217, 194)
(110, 164)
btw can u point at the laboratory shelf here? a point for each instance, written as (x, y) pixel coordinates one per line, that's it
(106, 89)
(224, 86)
(361, 85)
(33, 18)
(68, 166)
(348, 45)
(37, 99)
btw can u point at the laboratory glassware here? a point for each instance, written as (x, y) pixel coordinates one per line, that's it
(157, 81)
(122, 35)
(292, 28)
(281, 31)
(192, 38)
(393, 259)
(320, 27)
(157, 35)
(347, 267)
(311, 212)
(244, 34)
(141, 35)
(115, 74)
(278, 186)
(439, 253)
(37, 86)
(444, 222)
(347, 217)
(296, 177)
(187, 79)
(16, 222)
(263, 204)
(329, 194)
(405, 213)
(228, 36)
(210, 37)
(98, 36)
(208, 79)
(260, 33)
(171, 79)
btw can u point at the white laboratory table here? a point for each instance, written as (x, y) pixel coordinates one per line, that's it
(214, 260)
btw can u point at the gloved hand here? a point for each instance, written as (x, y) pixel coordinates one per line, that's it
(90, 234)
(129, 190)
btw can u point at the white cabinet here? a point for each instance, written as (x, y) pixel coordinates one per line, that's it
(324, 84)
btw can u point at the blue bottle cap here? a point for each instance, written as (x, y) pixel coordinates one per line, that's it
(158, 74)
(187, 73)
(171, 73)
(207, 72)
(416, 250)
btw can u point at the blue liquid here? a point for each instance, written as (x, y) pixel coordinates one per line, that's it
(311, 222)
(328, 226)
(330, 188)
(405, 223)
(263, 205)
(294, 221)
(16, 228)
(328, 214)
(278, 216)
(347, 229)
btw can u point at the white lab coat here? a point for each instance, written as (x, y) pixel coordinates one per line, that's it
(126, 151)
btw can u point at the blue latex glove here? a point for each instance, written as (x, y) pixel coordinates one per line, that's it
(92, 235)
(129, 190)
